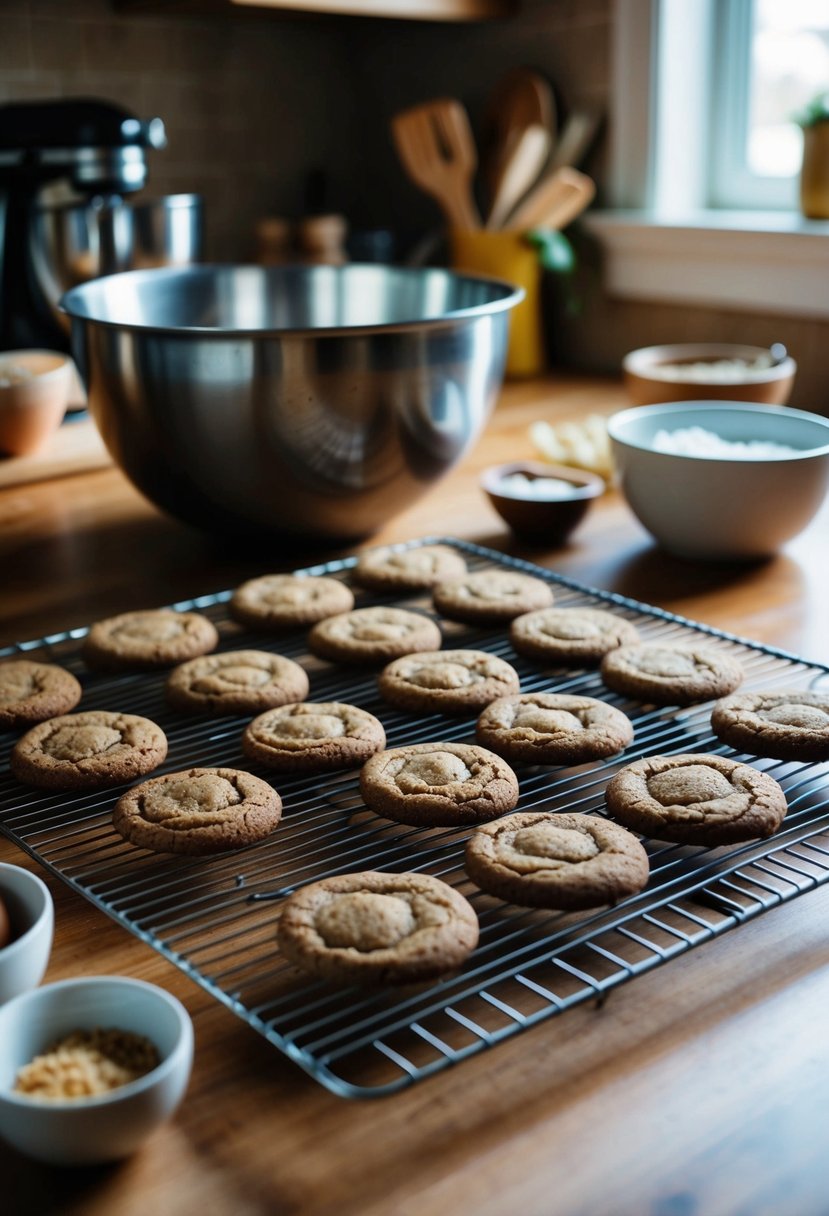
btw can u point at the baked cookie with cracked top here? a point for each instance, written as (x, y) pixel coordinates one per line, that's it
(285, 601)
(32, 692)
(447, 681)
(670, 675)
(236, 682)
(489, 597)
(88, 751)
(570, 635)
(553, 728)
(781, 725)
(202, 810)
(416, 569)
(696, 799)
(313, 737)
(546, 860)
(438, 784)
(375, 928)
(373, 635)
(158, 637)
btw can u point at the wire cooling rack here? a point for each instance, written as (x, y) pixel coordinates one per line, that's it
(215, 917)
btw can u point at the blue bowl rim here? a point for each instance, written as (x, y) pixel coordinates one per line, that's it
(669, 408)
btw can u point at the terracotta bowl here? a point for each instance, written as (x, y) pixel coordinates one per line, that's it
(648, 385)
(543, 520)
(31, 408)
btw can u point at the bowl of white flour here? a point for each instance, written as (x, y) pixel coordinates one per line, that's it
(721, 480)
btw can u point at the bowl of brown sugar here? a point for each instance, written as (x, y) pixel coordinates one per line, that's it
(90, 1067)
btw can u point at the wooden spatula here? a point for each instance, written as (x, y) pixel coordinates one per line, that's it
(520, 99)
(555, 202)
(521, 172)
(435, 144)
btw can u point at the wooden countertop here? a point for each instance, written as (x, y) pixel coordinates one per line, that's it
(697, 1088)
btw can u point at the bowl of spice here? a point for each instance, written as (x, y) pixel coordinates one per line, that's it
(90, 1067)
(709, 371)
(721, 480)
(26, 924)
(541, 502)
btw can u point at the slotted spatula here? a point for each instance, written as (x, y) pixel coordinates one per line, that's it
(435, 144)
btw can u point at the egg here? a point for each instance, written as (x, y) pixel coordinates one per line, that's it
(5, 926)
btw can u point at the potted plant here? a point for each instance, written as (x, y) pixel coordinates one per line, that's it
(814, 173)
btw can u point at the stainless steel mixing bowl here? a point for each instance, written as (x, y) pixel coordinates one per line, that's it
(73, 242)
(311, 400)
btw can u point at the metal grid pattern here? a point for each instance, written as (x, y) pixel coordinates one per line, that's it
(215, 917)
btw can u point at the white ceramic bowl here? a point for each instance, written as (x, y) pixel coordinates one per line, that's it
(29, 905)
(715, 508)
(89, 1130)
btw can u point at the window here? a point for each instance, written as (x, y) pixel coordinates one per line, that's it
(771, 57)
(705, 156)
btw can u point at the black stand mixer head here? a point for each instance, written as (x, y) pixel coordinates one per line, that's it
(95, 148)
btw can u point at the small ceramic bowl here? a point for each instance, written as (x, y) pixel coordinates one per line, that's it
(29, 906)
(720, 506)
(84, 1131)
(547, 520)
(35, 386)
(651, 375)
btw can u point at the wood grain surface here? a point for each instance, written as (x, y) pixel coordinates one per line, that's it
(695, 1090)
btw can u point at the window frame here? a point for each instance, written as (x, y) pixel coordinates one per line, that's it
(662, 242)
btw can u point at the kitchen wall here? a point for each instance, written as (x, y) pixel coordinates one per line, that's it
(250, 103)
(255, 103)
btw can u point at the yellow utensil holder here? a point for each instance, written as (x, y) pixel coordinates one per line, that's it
(508, 256)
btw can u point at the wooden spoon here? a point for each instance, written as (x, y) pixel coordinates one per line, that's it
(522, 171)
(520, 99)
(435, 144)
(555, 202)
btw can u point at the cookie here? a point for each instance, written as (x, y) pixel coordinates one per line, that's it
(447, 681)
(491, 596)
(237, 682)
(375, 928)
(546, 860)
(373, 635)
(570, 635)
(202, 810)
(782, 725)
(670, 675)
(88, 751)
(409, 569)
(158, 637)
(438, 784)
(696, 799)
(284, 601)
(32, 692)
(313, 737)
(552, 728)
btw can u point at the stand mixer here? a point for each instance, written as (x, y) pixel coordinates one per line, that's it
(64, 165)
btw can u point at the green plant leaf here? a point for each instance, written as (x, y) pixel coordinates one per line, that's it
(817, 110)
(555, 253)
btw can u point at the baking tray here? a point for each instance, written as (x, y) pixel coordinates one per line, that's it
(215, 917)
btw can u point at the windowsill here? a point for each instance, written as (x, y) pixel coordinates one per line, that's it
(769, 261)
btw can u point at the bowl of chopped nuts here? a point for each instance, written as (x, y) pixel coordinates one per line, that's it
(90, 1067)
